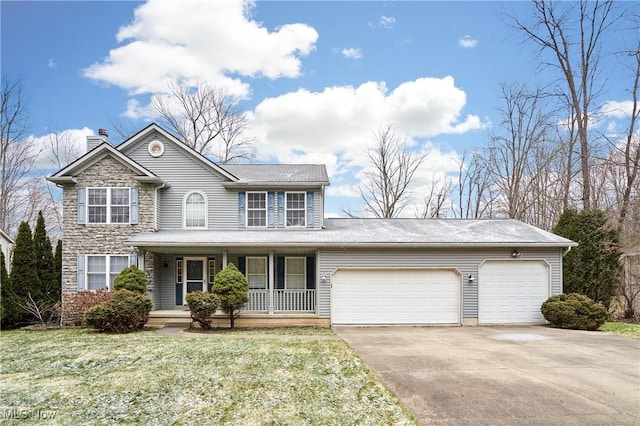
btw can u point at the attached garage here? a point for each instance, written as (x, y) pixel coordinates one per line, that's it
(512, 291)
(373, 296)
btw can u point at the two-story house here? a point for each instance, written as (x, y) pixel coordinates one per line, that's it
(154, 202)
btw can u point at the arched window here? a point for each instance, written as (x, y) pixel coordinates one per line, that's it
(195, 210)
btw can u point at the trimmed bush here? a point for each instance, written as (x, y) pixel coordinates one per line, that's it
(203, 306)
(132, 279)
(75, 305)
(232, 289)
(126, 311)
(575, 311)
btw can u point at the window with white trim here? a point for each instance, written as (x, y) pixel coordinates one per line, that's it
(296, 208)
(108, 205)
(256, 272)
(102, 270)
(178, 270)
(212, 270)
(195, 210)
(295, 273)
(256, 209)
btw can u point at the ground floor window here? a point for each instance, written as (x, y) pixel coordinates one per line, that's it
(295, 273)
(102, 270)
(257, 272)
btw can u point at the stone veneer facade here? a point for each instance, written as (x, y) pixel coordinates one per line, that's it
(103, 238)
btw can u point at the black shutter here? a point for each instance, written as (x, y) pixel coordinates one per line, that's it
(311, 272)
(242, 261)
(280, 272)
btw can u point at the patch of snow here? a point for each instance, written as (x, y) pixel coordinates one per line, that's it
(520, 337)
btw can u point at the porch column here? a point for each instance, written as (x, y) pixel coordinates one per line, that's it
(224, 259)
(270, 280)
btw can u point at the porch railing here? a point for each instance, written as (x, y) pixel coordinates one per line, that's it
(294, 300)
(283, 300)
(258, 301)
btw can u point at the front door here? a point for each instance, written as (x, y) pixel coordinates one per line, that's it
(195, 276)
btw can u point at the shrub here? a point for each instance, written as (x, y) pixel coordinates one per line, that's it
(203, 306)
(126, 311)
(232, 290)
(574, 311)
(75, 305)
(132, 279)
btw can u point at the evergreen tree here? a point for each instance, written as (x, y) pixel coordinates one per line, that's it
(232, 290)
(593, 267)
(24, 276)
(10, 310)
(57, 262)
(45, 266)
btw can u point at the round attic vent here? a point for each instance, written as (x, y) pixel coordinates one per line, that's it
(156, 148)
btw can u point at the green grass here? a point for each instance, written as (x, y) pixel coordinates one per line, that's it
(275, 331)
(148, 378)
(621, 328)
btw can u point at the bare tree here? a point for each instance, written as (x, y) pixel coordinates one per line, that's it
(630, 147)
(392, 164)
(476, 190)
(62, 150)
(578, 61)
(207, 119)
(438, 199)
(17, 155)
(519, 151)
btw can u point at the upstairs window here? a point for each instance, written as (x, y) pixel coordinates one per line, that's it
(195, 210)
(296, 208)
(108, 205)
(256, 209)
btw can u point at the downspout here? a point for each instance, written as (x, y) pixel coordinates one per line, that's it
(155, 207)
(565, 251)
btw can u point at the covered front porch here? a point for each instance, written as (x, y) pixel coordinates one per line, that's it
(281, 281)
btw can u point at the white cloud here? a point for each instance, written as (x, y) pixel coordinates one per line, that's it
(71, 142)
(351, 53)
(335, 126)
(618, 110)
(386, 22)
(198, 40)
(51, 63)
(467, 42)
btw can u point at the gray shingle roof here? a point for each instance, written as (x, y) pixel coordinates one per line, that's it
(259, 173)
(368, 233)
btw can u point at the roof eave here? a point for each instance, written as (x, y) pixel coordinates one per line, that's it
(348, 245)
(151, 179)
(61, 180)
(262, 184)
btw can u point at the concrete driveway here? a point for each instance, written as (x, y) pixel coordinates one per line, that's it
(505, 375)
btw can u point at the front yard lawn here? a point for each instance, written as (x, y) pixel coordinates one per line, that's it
(83, 377)
(621, 328)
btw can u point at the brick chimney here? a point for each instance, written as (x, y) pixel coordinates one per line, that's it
(94, 141)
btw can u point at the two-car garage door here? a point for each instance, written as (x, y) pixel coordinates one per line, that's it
(395, 296)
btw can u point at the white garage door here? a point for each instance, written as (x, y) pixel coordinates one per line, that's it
(395, 296)
(512, 291)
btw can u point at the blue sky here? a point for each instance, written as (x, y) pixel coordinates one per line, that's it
(316, 78)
